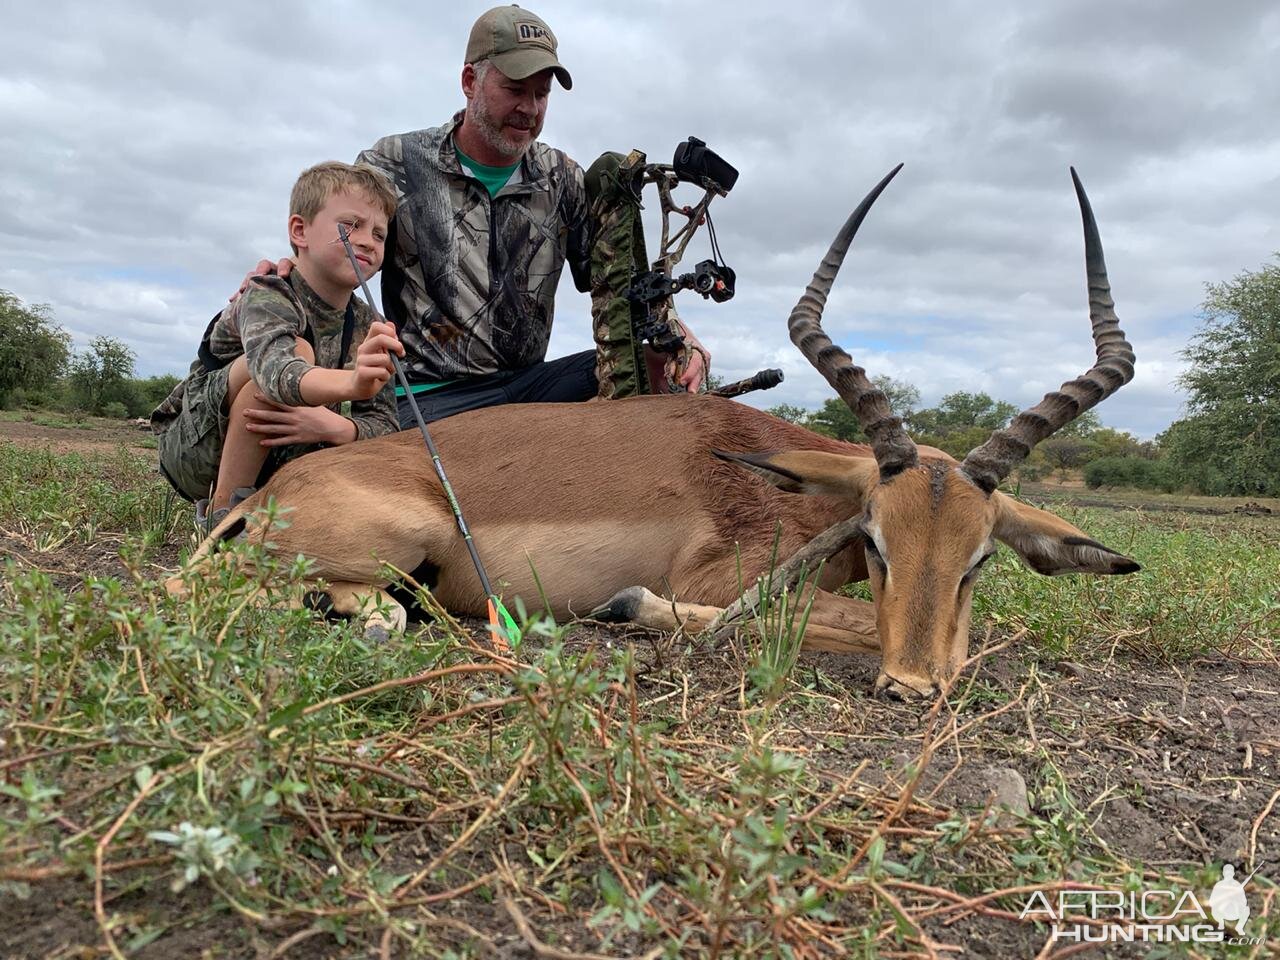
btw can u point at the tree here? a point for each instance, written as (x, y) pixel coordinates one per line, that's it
(33, 349)
(1066, 452)
(789, 413)
(961, 411)
(835, 419)
(1085, 425)
(102, 375)
(1108, 442)
(1230, 441)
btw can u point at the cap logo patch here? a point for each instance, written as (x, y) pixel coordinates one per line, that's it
(529, 32)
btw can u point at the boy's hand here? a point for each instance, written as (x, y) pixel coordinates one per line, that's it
(280, 426)
(265, 268)
(373, 367)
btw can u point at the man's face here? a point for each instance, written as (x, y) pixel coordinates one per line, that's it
(508, 114)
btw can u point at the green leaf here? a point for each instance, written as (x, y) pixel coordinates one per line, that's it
(286, 715)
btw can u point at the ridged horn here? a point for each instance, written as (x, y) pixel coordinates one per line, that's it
(894, 450)
(990, 463)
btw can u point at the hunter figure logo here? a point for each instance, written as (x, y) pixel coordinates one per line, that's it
(1150, 915)
(1227, 901)
(529, 32)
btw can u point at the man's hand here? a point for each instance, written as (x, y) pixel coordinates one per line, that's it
(280, 426)
(695, 373)
(265, 268)
(373, 367)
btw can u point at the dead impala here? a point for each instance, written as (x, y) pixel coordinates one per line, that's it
(555, 488)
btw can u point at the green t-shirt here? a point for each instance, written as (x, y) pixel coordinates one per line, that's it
(493, 178)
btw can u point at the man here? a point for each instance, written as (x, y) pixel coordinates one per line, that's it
(487, 217)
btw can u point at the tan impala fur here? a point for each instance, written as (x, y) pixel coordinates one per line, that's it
(618, 504)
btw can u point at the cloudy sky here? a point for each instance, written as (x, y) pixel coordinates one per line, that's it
(148, 150)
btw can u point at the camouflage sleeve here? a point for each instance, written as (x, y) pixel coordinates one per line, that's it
(387, 156)
(375, 417)
(270, 321)
(578, 251)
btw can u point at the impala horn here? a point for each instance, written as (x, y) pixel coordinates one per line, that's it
(894, 450)
(990, 463)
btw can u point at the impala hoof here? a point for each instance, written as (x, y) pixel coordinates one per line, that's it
(622, 607)
(320, 602)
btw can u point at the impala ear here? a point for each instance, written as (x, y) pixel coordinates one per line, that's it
(811, 471)
(1050, 545)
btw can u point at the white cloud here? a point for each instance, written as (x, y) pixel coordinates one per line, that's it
(149, 150)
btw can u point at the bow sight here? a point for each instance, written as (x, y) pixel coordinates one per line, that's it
(697, 164)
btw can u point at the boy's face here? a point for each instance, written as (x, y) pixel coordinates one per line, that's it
(318, 241)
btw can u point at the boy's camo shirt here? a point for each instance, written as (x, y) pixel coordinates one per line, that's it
(262, 326)
(470, 281)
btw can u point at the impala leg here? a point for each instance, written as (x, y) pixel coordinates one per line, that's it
(638, 605)
(381, 614)
(837, 624)
(841, 625)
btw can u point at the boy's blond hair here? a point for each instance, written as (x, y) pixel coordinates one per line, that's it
(317, 184)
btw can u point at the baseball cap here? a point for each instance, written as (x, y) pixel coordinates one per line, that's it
(517, 42)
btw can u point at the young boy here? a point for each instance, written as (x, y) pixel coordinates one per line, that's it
(275, 366)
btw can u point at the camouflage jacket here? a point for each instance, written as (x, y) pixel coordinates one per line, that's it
(470, 281)
(262, 326)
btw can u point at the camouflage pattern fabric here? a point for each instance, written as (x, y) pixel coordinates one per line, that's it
(262, 325)
(469, 280)
(617, 252)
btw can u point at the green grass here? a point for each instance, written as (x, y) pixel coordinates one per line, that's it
(52, 499)
(1207, 583)
(425, 794)
(55, 419)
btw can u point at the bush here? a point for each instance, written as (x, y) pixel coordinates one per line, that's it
(146, 394)
(115, 410)
(1130, 472)
(33, 352)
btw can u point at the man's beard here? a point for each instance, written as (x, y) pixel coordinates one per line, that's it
(490, 130)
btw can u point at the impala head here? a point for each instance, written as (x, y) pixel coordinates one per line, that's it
(928, 523)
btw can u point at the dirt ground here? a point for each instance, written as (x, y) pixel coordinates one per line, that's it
(94, 435)
(1168, 765)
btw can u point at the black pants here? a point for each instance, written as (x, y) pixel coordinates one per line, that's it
(564, 380)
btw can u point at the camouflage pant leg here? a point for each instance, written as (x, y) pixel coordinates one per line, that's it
(190, 437)
(617, 252)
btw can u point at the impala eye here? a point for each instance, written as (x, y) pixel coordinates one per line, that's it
(873, 551)
(973, 571)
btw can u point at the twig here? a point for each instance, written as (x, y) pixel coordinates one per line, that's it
(99, 910)
(489, 809)
(290, 942)
(414, 680)
(1257, 824)
(59, 871)
(543, 950)
(930, 948)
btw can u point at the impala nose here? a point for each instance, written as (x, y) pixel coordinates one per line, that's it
(906, 687)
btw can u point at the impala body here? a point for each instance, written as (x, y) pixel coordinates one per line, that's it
(616, 503)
